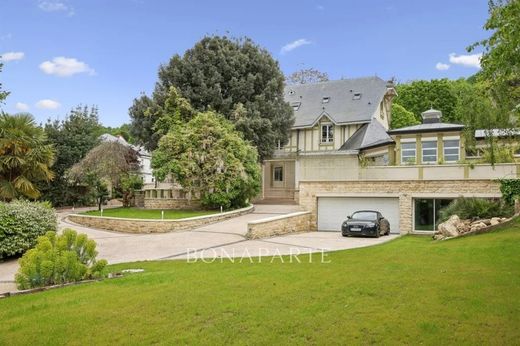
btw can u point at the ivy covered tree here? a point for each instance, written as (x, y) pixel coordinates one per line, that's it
(235, 78)
(401, 117)
(209, 158)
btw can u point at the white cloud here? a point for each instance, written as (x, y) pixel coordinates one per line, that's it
(470, 60)
(442, 66)
(48, 104)
(295, 44)
(22, 107)
(11, 56)
(65, 67)
(55, 6)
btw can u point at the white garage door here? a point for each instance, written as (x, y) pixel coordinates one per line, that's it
(332, 211)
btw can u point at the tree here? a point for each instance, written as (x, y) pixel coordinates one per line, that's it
(73, 138)
(229, 76)
(421, 95)
(142, 122)
(128, 185)
(401, 117)
(208, 157)
(500, 61)
(3, 93)
(109, 163)
(306, 76)
(25, 158)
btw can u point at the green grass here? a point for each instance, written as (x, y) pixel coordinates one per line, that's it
(408, 291)
(137, 213)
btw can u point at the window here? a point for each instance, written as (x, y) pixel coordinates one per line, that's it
(429, 151)
(327, 133)
(357, 96)
(325, 99)
(408, 152)
(427, 213)
(278, 173)
(279, 145)
(451, 150)
(295, 106)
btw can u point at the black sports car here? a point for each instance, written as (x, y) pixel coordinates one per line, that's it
(365, 223)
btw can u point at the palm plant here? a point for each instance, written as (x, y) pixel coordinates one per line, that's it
(25, 157)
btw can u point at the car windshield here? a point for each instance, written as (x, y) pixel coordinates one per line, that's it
(365, 215)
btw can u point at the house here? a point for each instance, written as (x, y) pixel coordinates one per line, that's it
(341, 157)
(144, 156)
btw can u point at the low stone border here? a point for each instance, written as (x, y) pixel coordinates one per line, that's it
(489, 228)
(119, 224)
(278, 225)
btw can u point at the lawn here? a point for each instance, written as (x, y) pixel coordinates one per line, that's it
(408, 291)
(137, 213)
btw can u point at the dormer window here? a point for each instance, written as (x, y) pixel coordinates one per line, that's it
(291, 92)
(357, 96)
(325, 99)
(327, 133)
(295, 106)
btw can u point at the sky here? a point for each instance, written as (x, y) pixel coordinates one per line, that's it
(58, 54)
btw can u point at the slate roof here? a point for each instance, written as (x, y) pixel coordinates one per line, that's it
(341, 108)
(431, 127)
(107, 137)
(479, 134)
(369, 135)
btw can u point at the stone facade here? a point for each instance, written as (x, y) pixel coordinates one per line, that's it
(278, 225)
(153, 226)
(171, 203)
(405, 190)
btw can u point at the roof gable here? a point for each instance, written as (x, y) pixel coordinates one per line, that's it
(344, 101)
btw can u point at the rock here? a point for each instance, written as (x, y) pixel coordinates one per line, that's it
(449, 228)
(495, 221)
(486, 221)
(438, 237)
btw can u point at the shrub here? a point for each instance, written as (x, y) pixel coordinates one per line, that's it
(58, 259)
(21, 223)
(473, 208)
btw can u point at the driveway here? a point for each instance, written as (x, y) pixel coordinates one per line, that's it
(222, 239)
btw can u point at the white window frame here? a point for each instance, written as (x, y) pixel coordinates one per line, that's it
(434, 148)
(446, 147)
(330, 133)
(408, 156)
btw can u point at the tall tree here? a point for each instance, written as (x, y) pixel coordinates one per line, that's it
(25, 158)
(501, 58)
(143, 116)
(421, 95)
(306, 76)
(232, 77)
(73, 138)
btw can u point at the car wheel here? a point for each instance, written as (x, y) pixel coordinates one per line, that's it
(378, 233)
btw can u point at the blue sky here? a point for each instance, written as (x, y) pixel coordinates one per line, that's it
(61, 53)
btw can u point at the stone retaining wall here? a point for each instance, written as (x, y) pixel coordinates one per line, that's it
(153, 226)
(278, 225)
(405, 190)
(171, 203)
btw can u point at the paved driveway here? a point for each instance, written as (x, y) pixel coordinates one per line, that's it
(222, 239)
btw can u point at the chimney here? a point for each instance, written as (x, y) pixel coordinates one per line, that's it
(431, 116)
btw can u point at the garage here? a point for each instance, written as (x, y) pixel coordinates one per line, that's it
(332, 211)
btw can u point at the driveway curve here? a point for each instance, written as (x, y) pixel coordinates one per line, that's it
(222, 239)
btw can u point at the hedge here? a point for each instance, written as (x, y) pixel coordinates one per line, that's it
(21, 223)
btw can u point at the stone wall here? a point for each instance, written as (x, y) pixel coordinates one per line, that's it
(278, 225)
(405, 190)
(171, 203)
(153, 226)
